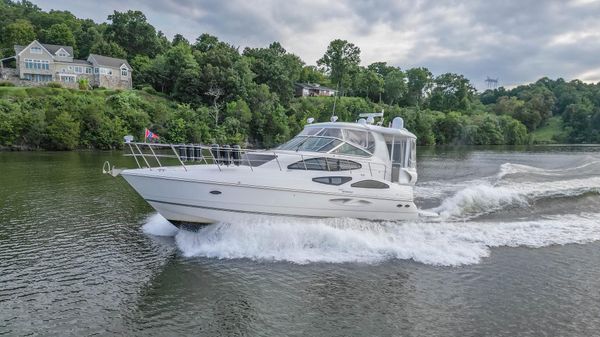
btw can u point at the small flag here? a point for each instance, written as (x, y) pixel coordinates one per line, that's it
(151, 135)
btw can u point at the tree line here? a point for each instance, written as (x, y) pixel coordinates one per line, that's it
(212, 91)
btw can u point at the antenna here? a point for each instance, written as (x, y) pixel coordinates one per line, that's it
(371, 116)
(335, 95)
(492, 83)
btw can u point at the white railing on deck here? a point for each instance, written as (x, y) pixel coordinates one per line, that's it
(149, 155)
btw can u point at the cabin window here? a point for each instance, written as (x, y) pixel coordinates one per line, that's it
(403, 152)
(370, 184)
(312, 144)
(362, 138)
(310, 131)
(351, 150)
(325, 164)
(337, 181)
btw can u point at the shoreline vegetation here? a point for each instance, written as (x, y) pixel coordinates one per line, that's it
(209, 91)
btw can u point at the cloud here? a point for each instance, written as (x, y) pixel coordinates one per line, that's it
(517, 41)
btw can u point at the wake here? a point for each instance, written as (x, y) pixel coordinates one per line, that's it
(453, 238)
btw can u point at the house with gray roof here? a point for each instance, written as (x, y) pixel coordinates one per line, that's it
(40, 63)
(308, 89)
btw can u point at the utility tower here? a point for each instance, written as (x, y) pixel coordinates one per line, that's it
(492, 83)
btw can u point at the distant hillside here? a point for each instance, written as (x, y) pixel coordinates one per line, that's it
(209, 90)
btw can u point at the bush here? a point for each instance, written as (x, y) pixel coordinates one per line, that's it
(63, 132)
(54, 85)
(6, 84)
(149, 90)
(83, 84)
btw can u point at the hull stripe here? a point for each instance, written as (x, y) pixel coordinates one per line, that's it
(235, 211)
(263, 213)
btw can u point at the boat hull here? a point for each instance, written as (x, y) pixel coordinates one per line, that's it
(192, 201)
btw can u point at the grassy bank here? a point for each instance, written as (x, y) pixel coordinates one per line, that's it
(552, 132)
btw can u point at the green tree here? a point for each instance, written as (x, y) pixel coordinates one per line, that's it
(59, 34)
(86, 38)
(63, 132)
(312, 74)
(133, 33)
(368, 84)
(276, 68)
(394, 86)
(178, 38)
(19, 32)
(451, 92)
(108, 49)
(420, 80)
(339, 60)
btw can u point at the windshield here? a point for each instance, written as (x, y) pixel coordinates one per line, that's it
(332, 140)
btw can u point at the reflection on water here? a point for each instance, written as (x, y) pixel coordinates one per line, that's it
(81, 254)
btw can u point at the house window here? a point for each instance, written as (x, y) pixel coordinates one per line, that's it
(124, 72)
(78, 70)
(36, 50)
(88, 70)
(38, 77)
(67, 79)
(96, 70)
(36, 64)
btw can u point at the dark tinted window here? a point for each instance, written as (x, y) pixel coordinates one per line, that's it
(325, 164)
(370, 184)
(332, 180)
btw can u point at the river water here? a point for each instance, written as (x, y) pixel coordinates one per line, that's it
(514, 252)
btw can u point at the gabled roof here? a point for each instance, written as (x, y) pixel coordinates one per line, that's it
(109, 61)
(313, 86)
(63, 49)
(51, 48)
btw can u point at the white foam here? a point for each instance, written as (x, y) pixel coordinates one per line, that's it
(479, 199)
(348, 240)
(486, 198)
(157, 225)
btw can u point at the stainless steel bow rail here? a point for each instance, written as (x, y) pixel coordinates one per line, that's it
(153, 155)
(159, 155)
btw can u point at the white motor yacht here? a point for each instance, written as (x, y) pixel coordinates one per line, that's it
(329, 170)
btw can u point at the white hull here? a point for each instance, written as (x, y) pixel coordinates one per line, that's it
(206, 195)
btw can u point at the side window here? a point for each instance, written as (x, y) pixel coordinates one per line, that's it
(332, 180)
(325, 164)
(370, 184)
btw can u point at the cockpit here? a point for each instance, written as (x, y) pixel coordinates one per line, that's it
(395, 147)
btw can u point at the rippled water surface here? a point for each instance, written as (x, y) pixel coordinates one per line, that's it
(515, 251)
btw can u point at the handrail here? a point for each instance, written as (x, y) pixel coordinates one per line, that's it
(241, 157)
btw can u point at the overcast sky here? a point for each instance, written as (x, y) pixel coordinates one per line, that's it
(517, 41)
